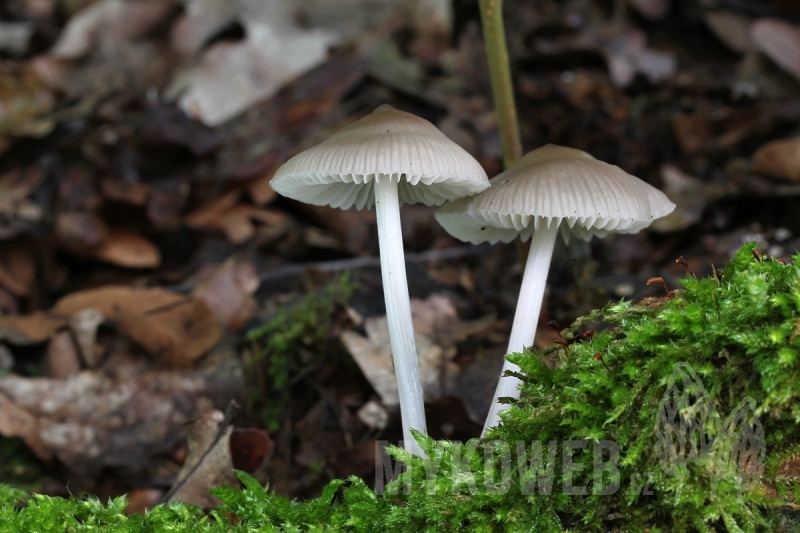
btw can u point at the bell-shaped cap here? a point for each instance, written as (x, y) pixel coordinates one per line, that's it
(555, 185)
(386, 144)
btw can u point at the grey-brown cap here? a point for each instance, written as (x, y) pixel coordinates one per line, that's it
(551, 185)
(386, 144)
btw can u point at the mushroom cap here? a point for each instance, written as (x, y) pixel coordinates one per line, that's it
(550, 185)
(386, 144)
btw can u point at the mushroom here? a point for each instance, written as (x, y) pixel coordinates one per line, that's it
(550, 189)
(387, 158)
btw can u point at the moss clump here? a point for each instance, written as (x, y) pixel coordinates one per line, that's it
(690, 390)
(294, 341)
(721, 353)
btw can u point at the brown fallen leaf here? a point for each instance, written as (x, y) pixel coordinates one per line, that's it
(17, 270)
(208, 464)
(779, 160)
(228, 292)
(84, 324)
(109, 20)
(652, 9)
(236, 221)
(174, 328)
(437, 330)
(208, 214)
(232, 76)
(238, 224)
(141, 500)
(17, 422)
(780, 41)
(30, 329)
(250, 448)
(689, 194)
(732, 29)
(127, 249)
(62, 359)
(260, 190)
(126, 416)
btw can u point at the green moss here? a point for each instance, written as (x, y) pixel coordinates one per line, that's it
(721, 352)
(295, 340)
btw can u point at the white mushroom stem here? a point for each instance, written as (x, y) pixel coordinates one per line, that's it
(398, 310)
(526, 316)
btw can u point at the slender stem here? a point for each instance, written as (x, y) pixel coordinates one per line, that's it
(526, 316)
(502, 89)
(398, 311)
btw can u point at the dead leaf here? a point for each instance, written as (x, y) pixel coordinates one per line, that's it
(109, 20)
(84, 324)
(259, 189)
(141, 500)
(62, 359)
(732, 29)
(779, 160)
(717, 128)
(238, 223)
(127, 249)
(16, 422)
(208, 464)
(208, 214)
(126, 416)
(250, 448)
(235, 220)
(651, 9)
(689, 194)
(30, 329)
(437, 329)
(174, 328)
(228, 292)
(780, 41)
(231, 76)
(17, 270)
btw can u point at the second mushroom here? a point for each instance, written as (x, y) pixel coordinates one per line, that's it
(549, 190)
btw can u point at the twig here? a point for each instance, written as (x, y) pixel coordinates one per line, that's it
(288, 271)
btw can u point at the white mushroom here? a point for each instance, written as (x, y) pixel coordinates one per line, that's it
(387, 157)
(552, 188)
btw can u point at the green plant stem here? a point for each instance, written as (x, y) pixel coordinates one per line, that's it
(502, 89)
(494, 35)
